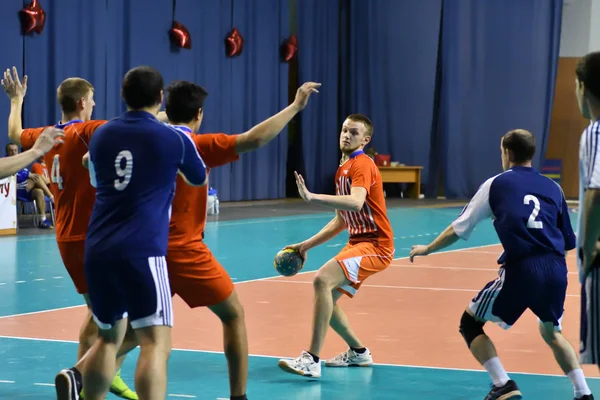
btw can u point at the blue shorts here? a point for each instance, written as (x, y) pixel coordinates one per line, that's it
(537, 283)
(24, 195)
(589, 351)
(137, 289)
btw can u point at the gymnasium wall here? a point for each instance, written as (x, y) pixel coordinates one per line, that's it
(578, 37)
(441, 80)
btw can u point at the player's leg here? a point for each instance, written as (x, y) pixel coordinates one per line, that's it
(235, 343)
(72, 254)
(549, 306)
(38, 196)
(566, 358)
(101, 361)
(589, 353)
(201, 281)
(331, 276)
(107, 296)
(357, 354)
(151, 315)
(499, 303)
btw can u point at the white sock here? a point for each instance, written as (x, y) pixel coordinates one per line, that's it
(496, 370)
(579, 383)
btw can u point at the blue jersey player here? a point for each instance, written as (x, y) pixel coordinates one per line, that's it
(588, 98)
(133, 161)
(531, 219)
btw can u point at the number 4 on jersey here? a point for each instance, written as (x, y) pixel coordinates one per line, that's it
(531, 222)
(55, 172)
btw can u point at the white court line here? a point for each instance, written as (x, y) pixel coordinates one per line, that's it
(44, 384)
(7, 381)
(278, 357)
(433, 289)
(417, 266)
(242, 282)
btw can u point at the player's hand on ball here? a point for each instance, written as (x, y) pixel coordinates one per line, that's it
(303, 93)
(418, 250)
(302, 190)
(299, 248)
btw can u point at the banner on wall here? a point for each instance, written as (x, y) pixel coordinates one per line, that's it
(8, 205)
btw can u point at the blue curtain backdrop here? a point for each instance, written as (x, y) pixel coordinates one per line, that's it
(498, 66)
(468, 79)
(389, 71)
(259, 88)
(11, 55)
(318, 38)
(208, 23)
(64, 49)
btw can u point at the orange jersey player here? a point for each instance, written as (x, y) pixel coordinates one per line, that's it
(69, 182)
(360, 209)
(195, 274)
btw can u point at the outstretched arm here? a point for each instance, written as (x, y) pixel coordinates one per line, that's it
(476, 211)
(11, 165)
(329, 231)
(15, 90)
(261, 134)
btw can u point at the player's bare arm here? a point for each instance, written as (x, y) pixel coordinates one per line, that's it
(445, 239)
(47, 140)
(476, 211)
(268, 130)
(329, 231)
(15, 90)
(352, 202)
(85, 160)
(590, 227)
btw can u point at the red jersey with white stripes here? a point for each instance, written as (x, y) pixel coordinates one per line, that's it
(371, 222)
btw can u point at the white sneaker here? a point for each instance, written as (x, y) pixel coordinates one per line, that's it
(351, 358)
(304, 365)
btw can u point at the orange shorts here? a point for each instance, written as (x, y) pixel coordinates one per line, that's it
(197, 277)
(361, 260)
(73, 256)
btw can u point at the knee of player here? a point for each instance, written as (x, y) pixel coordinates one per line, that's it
(470, 328)
(322, 282)
(550, 334)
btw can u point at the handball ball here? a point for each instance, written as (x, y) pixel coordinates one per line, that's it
(288, 262)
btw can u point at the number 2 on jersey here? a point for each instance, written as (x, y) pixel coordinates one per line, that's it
(531, 222)
(124, 173)
(55, 172)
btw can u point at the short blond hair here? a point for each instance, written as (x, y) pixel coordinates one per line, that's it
(70, 91)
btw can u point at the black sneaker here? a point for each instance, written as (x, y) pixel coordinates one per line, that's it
(68, 384)
(586, 397)
(510, 391)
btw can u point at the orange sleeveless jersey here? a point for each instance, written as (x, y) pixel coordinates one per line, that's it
(189, 207)
(371, 222)
(74, 195)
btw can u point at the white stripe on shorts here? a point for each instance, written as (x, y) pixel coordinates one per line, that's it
(164, 304)
(589, 352)
(483, 304)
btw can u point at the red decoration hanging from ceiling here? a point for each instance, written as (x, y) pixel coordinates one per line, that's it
(289, 49)
(33, 18)
(180, 36)
(234, 43)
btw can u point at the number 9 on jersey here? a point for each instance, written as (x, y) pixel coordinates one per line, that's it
(123, 168)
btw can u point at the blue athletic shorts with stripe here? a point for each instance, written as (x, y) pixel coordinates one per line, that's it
(589, 351)
(137, 289)
(536, 283)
